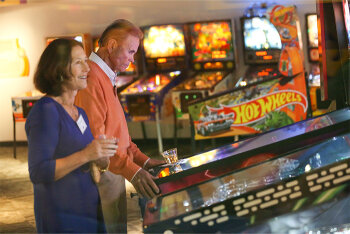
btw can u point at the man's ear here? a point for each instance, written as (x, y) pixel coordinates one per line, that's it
(111, 45)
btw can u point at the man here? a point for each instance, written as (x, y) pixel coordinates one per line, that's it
(117, 47)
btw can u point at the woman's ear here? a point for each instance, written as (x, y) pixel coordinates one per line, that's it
(111, 45)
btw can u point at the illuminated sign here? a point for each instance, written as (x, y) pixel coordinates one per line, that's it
(250, 110)
(257, 109)
(13, 59)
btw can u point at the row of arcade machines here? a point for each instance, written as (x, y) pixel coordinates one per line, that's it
(293, 179)
(265, 101)
(192, 61)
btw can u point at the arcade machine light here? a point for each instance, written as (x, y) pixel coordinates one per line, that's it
(84, 38)
(262, 49)
(127, 77)
(299, 190)
(212, 63)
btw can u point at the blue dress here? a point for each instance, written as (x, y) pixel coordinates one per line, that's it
(72, 203)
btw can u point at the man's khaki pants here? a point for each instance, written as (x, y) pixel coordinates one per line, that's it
(113, 199)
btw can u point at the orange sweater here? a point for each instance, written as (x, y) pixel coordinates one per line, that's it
(106, 116)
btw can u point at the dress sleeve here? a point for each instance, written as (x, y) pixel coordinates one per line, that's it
(92, 101)
(42, 129)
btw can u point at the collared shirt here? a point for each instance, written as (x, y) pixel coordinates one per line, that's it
(109, 72)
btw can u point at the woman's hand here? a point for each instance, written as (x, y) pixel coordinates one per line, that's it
(101, 148)
(97, 149)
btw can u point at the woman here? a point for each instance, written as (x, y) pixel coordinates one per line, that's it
(60, 145)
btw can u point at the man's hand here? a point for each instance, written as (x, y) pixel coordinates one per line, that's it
(153, 163)
(144, 184)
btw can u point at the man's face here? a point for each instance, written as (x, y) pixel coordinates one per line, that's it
(123, 54)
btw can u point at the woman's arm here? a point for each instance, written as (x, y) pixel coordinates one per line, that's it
(98, 148)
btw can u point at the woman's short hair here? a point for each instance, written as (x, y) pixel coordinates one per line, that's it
(54, 66)
(119, 30)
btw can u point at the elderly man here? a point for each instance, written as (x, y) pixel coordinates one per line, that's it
(118, 45)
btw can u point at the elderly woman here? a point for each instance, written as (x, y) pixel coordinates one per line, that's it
(61, 145)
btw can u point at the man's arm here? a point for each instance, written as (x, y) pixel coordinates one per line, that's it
(141, 159)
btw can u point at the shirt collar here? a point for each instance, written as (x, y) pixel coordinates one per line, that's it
(109, 72)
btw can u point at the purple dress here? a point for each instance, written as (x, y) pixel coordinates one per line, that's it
(72, 203)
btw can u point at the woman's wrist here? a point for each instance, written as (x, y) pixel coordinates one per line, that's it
(105, 168)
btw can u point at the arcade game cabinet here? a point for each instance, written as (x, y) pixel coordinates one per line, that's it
(335, 57)
(212, 63)
(21, 105)
(262, 47)
(164, 52)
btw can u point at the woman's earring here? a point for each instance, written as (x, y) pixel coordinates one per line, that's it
(61, 78)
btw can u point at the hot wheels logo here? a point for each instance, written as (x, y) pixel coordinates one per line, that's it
(256, 109)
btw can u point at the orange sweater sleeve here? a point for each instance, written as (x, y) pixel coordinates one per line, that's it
(139, 157)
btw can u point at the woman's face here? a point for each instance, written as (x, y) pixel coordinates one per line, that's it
(79, 69)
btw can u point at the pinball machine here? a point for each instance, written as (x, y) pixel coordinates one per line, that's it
(21, 105)
(210, 164)
(271, 42)
(304, 187)
(261, 46)
(164, 53)
(212, 62)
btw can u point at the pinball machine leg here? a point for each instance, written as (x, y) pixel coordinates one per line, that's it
(143, 128)
(159, 133)
(14, 137)
(213, 142)
(175, 127)
(193, 141)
